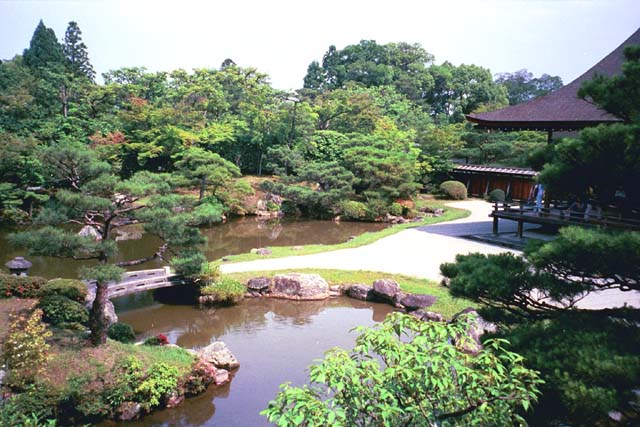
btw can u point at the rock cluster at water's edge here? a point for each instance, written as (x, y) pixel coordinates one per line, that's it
(299, 286)
(219, 355)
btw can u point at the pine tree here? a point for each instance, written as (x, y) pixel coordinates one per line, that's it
(44, 50)
(76, 52)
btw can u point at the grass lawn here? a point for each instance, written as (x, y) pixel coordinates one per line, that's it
(446, 304)
(361, 240)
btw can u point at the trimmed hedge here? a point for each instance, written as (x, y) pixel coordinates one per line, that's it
(20, 286)
(59, 310)
(496, 195)
(121, 332)
(73, 289)
(353, 210)
(454, 190)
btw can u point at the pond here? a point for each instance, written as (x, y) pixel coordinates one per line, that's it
(274, 340)
(233, 237)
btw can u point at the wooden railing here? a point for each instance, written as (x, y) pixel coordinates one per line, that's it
(560, 215)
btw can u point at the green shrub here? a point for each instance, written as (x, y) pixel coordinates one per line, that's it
(272, 207)
(20, 286)
(25, 349)
(496, 195)
(59, 310)
(396, 209)
(353, 210)
(160, 380)
(73, 289)
(454, 190)
(376, 208)
(121, 332)
(34, 407)
(226, 290)
(160, 339)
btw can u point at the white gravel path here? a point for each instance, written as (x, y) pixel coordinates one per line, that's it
(419, 252)
(414, 252)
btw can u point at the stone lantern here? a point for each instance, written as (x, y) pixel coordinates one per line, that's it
(18, 266)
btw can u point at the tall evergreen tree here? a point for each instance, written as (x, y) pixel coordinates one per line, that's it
(44, 50)
(76, 52)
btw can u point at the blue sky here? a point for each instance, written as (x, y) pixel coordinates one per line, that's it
(281, 38)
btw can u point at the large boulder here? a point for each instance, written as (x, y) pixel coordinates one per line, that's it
(298, 286)
(109, 309)
(411, 302)
(361, 292)
(218, 355)
(385, 289)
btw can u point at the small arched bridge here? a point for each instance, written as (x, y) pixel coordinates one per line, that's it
(139, 281)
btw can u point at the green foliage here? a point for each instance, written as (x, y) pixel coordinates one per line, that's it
(60, 311)
(121, 332)
(225, 290)
(73, 289)
(399, 374)
(157, 340)
(618, 94)
(522, 86)
(591, 258)
(589, 363)
(32, 408)
(25, 349)
(208, 213)
(454, 190)
(160, 379)
(20, 286)
(353, 210)
(496, 195)
(588, 358)
(396, 209)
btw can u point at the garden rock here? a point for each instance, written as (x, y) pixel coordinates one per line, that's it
(128, 411)
(219, 356)
(427, 316)
(361, 292)
(264, 251)
(477, 327)
(385, 289)
(259, 284)
(411, 302)
(174, 399)
(298, 286)
(109, 309)
(221, 377)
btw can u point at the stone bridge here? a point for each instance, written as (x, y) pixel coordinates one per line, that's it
(139, 281)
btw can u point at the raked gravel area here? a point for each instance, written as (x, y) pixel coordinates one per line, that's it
(419, 252)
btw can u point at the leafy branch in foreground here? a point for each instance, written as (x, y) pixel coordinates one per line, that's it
(405, 372)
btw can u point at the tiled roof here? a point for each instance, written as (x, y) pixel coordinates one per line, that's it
(496, 169)
(560, 109)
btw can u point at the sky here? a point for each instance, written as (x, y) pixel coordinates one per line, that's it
(281, 37)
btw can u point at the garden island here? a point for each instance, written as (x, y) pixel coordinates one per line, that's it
(199, 248)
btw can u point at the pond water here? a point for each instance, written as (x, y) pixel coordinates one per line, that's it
(233, 237)
(274, 340)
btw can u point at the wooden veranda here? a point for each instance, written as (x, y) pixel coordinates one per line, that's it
(557, 215)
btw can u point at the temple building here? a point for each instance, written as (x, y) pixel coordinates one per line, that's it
(558, 111)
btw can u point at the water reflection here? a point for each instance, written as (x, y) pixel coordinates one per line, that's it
(275, 341)
(234, 237)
